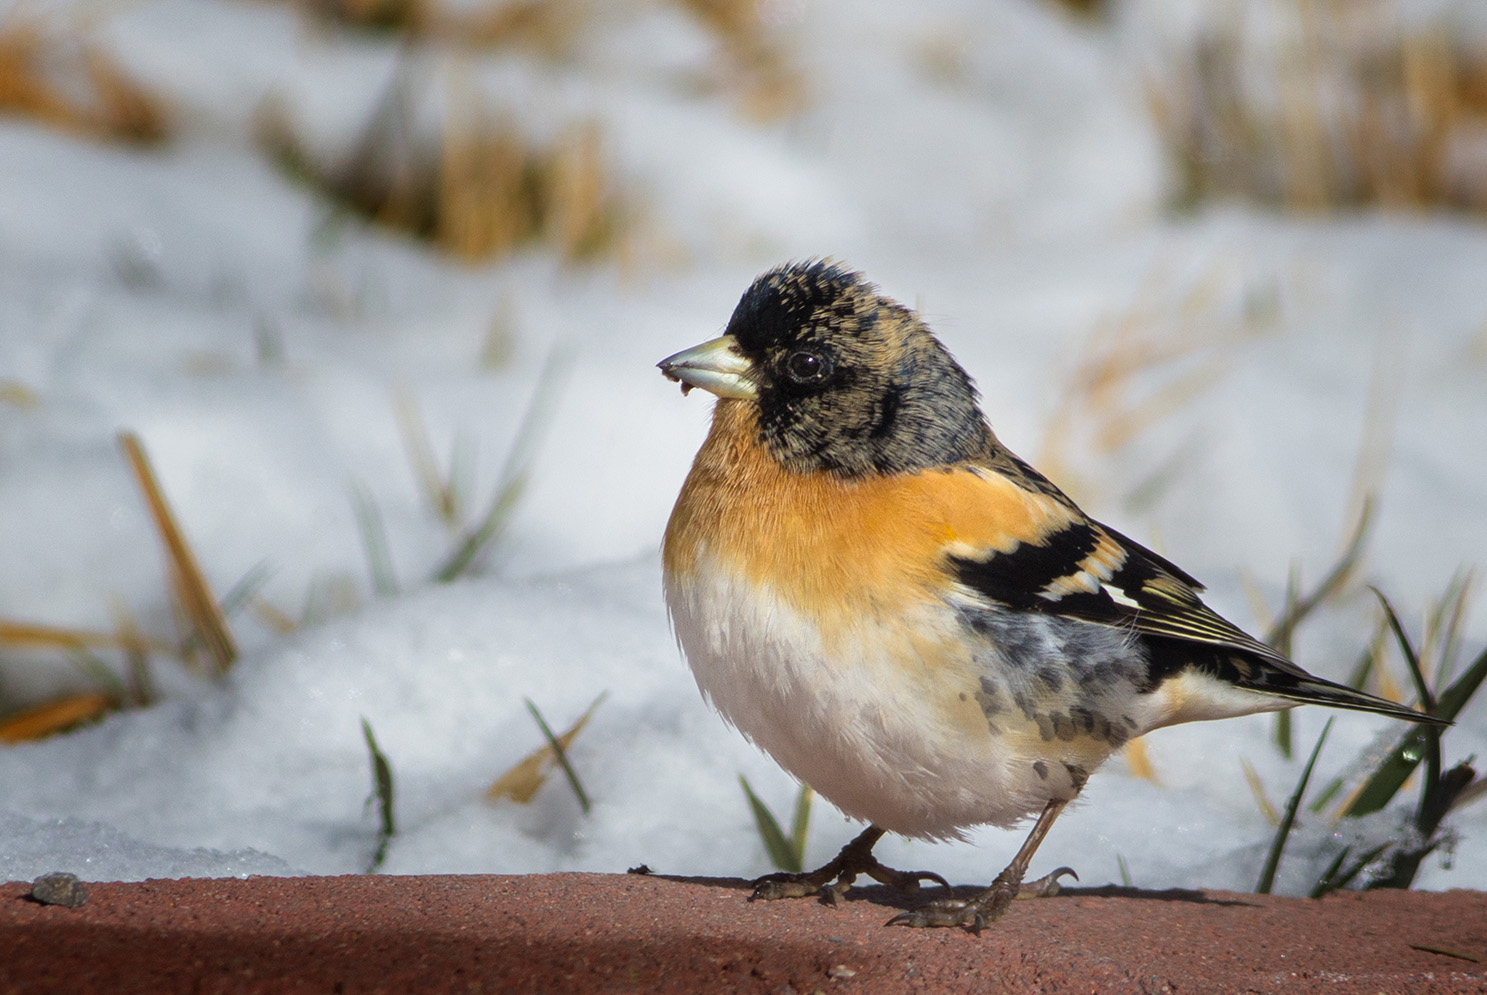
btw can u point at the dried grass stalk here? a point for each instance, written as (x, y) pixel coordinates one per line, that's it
(52, 717)
(754, 62)
(189, 582)
(71, 84)
(1139, 368)
(31, 635)
(1327, 104)
(482, 188)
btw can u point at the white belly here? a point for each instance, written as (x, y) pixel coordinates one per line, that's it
(885, 727)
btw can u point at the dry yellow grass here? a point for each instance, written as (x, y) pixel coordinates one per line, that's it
(1335, 103)
(484, 190)
(17, 394)
(753, 62)
(51, 75)
(521, 783)
(193, 594)
(483, 197)
(546, 27)
(56, 716)
(403, 15)
(1081, 8)
(35, 636)
(1137, 369)
(202, 614)
(484, 185)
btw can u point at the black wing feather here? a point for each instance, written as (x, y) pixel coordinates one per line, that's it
(1157, 602)
(1156, 598)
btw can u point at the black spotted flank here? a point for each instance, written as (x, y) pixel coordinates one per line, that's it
(1014, 579)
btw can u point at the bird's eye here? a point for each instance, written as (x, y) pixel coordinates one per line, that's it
(807, 367)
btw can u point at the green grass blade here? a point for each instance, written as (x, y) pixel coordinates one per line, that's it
(1401, 762)
(1435, 798)
(461, 479)
(1331, 881)
(138, 675)
(1299, 607)
(1390, 775)
(239, 594)
(1368, 660)
(374, 540)
(420, 453)
(1288, 818)
(1125, 872)
(91, 667)
(1450, 620)
(800, 823)
(382, 793)
(1280, 638)
(1325, 795)
(491, 528)
(1450, 702)
(1280, 732)
(561, 755)
(232, 602)
(1325, 882)
(781, 854)
(1411, 658)
(1469, 794)
(514, 473)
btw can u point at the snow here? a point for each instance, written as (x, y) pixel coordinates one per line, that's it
(990, 163)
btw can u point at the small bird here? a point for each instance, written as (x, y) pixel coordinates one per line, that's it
(906, 616)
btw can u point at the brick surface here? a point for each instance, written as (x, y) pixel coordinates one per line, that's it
(600, 933)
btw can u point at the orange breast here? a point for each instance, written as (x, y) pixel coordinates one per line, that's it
(825, 545)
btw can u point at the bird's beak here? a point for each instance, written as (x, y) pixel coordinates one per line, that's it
(718, 366)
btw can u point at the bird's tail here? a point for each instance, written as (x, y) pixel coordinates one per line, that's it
(1307, 689)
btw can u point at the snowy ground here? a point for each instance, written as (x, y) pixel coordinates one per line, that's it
(193, 295)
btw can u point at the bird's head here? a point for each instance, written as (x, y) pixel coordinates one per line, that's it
(842, 379)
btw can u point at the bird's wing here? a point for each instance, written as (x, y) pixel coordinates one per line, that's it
(1070, 565)
(1037, 552)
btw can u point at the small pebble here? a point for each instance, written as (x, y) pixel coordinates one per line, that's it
(59, 888)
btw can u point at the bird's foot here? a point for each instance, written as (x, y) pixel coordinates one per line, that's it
(985, 908)
(831, 880)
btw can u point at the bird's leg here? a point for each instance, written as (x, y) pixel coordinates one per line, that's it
(832, 880)
(992, 903)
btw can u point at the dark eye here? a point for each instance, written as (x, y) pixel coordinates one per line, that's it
(807, 367)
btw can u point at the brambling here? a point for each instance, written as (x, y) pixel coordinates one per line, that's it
(904, 614)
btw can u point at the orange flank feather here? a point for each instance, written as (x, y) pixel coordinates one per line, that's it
(868, 544)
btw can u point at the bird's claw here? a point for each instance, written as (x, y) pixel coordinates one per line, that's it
(832, 880)
(830, 886)
(782, 885)
(989, 906)
(1046, 886)
(905, 881)
(937, 914)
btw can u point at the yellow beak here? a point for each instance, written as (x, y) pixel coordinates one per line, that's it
(717, 366)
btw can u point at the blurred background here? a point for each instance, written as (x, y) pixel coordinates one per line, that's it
(327, 393)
